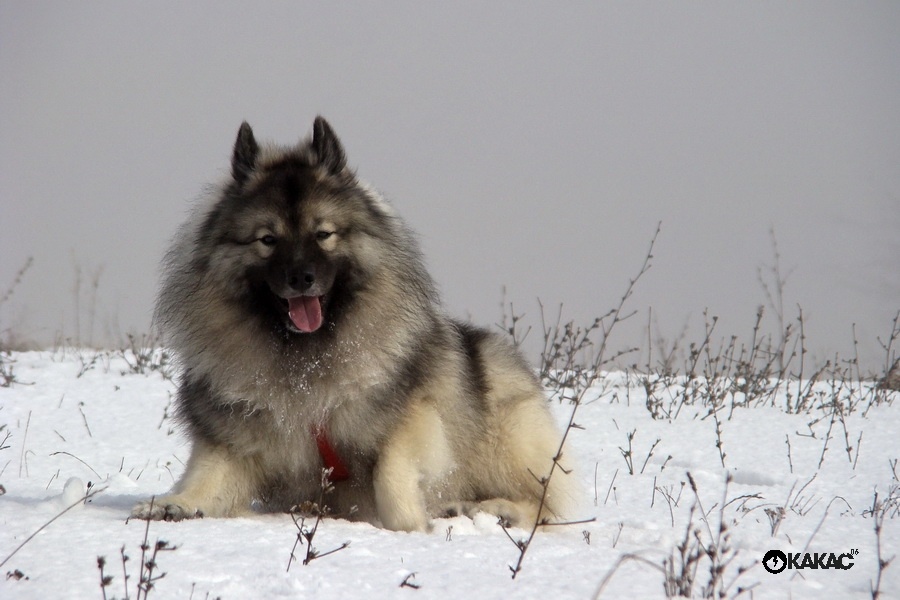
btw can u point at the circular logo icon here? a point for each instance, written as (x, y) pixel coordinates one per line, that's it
(774, 561)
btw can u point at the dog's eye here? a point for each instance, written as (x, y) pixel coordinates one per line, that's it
(324, 235)
(268, 240)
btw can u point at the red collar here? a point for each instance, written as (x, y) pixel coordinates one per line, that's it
(339, 471)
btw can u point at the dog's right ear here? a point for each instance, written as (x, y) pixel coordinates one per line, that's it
(328, 147)
(243, 161)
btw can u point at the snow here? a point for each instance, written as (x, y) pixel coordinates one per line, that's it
(79, 418)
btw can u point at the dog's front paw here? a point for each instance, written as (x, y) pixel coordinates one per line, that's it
(165, 509)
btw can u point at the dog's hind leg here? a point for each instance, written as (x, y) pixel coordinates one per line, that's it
(523, 487)
(214, 484)
(531, 443)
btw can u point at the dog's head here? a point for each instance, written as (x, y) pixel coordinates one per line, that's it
(288, 230)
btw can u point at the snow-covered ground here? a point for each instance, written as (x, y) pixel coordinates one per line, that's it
(74, 418)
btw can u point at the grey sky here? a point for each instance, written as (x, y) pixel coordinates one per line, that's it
(532, 145)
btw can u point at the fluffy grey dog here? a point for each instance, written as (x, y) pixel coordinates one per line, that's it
(310, 336)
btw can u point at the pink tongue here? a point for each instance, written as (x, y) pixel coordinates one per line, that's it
(305, 313)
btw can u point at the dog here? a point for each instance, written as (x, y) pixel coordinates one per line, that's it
(310, 337)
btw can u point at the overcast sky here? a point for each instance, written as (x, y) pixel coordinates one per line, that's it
(533, 145)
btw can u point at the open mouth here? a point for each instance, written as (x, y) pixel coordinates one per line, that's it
(305, 312)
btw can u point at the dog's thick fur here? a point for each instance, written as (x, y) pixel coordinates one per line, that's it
(297, 301)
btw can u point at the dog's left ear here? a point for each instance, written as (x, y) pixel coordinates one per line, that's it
(328, 147)
(243, 161)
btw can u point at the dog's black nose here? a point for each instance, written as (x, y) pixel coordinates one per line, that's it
(301, 280)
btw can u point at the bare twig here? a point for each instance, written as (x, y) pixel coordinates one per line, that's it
(22, 460)
(879, 509)
(575, 344)
(305, 535)
(407, 583)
